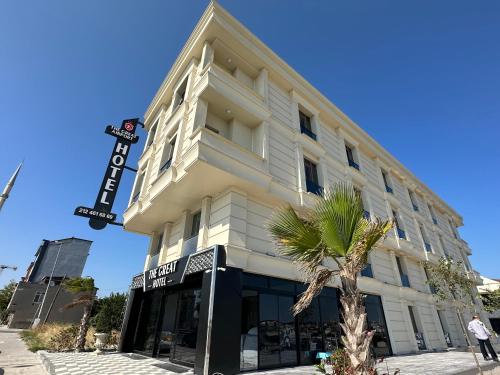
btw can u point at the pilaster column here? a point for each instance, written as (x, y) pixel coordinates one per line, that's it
(206, 204)
(262, 84)
(167, 230)
(207, 56)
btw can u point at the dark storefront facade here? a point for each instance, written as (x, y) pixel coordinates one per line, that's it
(245, 319)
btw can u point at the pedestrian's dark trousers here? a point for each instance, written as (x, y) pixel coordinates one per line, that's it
(482, 344)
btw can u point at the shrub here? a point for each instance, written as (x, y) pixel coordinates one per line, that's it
(109, 313)
(64, 340)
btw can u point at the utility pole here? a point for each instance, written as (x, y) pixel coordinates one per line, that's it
(9, 186)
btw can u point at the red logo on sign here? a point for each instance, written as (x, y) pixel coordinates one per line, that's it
(129, 126)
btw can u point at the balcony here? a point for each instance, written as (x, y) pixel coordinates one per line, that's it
(313, 187)
(401, 233)
(189, 246)
(428, 247)
(415, 207)
(405, 281)
(367, 271)
(308, 132)
(353, 164)
(166, 165)
(389, 189)
(366, 214)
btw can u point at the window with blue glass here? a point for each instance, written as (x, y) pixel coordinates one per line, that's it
(403, 274)
(399, 228)
(306, 125)
(351, 157)
(311, 172)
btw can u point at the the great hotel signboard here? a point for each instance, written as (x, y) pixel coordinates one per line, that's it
(100, 215)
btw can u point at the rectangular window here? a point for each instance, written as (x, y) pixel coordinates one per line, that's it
(155, 252)
(385, 176)
(427, 244)
(399, 229)
(367, 271)
(152, 134)
(168, 154)
(305, 125)
(366, 213)
(195, 224)
(453, 229)
(138, 187)
(413, 200)
(311, 172)
(350, 157)
(441, 242)
(405, 281)
(418, 335)
(431, 288)
(38, 297)
(433, 216)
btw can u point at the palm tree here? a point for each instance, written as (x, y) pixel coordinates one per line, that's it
(334, 229)
(85, 289)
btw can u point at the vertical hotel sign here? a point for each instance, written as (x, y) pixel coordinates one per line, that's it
(100, 215)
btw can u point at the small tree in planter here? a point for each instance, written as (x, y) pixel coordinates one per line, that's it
(86, 290)
(335, 229)
(450, 282)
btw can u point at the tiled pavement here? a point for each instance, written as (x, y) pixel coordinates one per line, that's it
(120, 364)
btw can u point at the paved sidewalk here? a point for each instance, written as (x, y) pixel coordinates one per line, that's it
(120, 364)
(15, 358)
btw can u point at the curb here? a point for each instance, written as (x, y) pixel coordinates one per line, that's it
(47, 365)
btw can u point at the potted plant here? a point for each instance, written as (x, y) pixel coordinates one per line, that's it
(103, 329)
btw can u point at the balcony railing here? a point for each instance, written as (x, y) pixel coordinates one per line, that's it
(389, 189)
(307, 132)
(428, 247)
(405, 281)
(353, 164)
(166, 165)
(401, 233)
(366, 214)
(189, 246)
(415, 207)
(314, 188)
(367, 271)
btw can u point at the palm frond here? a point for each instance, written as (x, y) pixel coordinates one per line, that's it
(83, 299)
(298, 238)
(317, 282)
(338, 215)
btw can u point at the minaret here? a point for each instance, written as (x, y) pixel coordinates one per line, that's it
(9, 186)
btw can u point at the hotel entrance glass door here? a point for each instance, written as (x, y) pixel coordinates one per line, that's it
(186, 326)
(145, 334)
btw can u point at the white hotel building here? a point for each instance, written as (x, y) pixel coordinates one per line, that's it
(235, 134)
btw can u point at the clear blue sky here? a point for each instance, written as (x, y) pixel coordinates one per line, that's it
(422, 77)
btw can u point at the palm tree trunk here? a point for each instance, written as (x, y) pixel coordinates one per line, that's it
(356, 339)
(84, 327)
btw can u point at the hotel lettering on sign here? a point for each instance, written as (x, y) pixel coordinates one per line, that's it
(167, 274)
(101, 214)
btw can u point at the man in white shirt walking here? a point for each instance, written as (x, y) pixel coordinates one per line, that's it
(483, 336)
